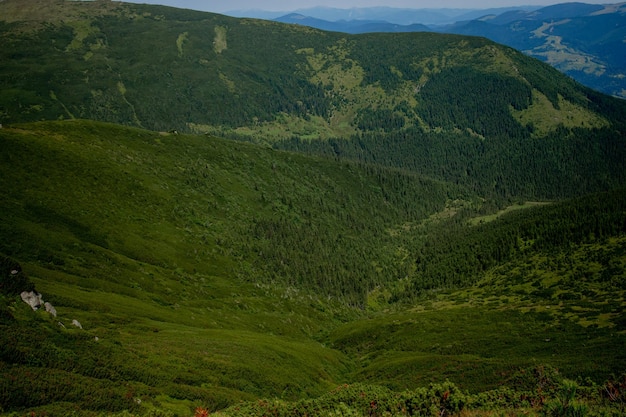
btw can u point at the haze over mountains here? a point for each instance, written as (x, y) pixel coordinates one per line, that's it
(253, 218)
(398, 16)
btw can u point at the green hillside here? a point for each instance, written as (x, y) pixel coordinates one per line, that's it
(164, 68)
(496, 120)
(190, 241)
(405, 224)
(205, 272)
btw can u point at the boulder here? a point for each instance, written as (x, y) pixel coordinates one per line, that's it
(32, 298)
(50, 308)
(35, 301)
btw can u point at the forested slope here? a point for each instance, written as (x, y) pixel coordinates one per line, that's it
(205, 272)
(456, 108)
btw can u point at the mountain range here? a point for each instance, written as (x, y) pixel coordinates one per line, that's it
(209, 214)
(351, 26)
(585, 41)
(398, 16)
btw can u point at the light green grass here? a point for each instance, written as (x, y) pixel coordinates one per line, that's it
(491, 217)
(544, 117)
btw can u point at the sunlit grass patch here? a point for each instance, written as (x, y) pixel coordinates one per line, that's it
(568, 115)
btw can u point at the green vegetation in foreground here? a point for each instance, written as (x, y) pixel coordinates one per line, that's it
(213, 274)
(199, 265)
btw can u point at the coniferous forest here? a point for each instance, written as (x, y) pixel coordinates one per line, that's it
(220, 216)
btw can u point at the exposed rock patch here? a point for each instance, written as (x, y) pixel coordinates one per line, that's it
(50, 308)
(33, 299)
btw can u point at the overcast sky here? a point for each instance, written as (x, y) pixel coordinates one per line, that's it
(220, 6)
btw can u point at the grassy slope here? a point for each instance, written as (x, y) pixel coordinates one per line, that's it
(106, 225)
(141, 237)
(149, 241)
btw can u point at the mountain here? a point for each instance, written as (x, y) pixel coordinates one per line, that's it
(407, 224)
(397, 16)
(369, 97)
(584, 41)
(351, 26)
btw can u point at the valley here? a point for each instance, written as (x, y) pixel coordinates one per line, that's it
(196, 310)
(248, 218)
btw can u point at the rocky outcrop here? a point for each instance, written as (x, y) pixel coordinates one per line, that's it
(13, 280)
(33, 299)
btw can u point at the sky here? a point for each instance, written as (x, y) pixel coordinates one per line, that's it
(221, 6)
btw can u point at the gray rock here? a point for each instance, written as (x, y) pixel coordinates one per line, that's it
(32, 298)
(50, 308)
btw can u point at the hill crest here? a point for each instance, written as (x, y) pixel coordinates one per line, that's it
(289, 80)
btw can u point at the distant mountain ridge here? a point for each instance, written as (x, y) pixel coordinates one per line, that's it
(351, 26)
(585, 41)
(399, 16)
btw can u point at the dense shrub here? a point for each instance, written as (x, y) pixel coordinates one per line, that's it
(12, 279)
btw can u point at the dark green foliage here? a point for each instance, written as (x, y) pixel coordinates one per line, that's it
(380, 53)
(312, 250)
(460, 254)
(481, 347)
(207, 272)
(559, 166)
(152, 238)
(13, 280)
(163, 69)
(366, 400)
(28, 387)
(380, 119)
(446, 110)
(149, 81)
(546, 397)
(462, 98)
(565, 404)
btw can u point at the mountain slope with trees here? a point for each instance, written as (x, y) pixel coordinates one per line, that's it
(370, 97)
(584, 41)
(189, 273)
(238, 72)
(207, 272)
